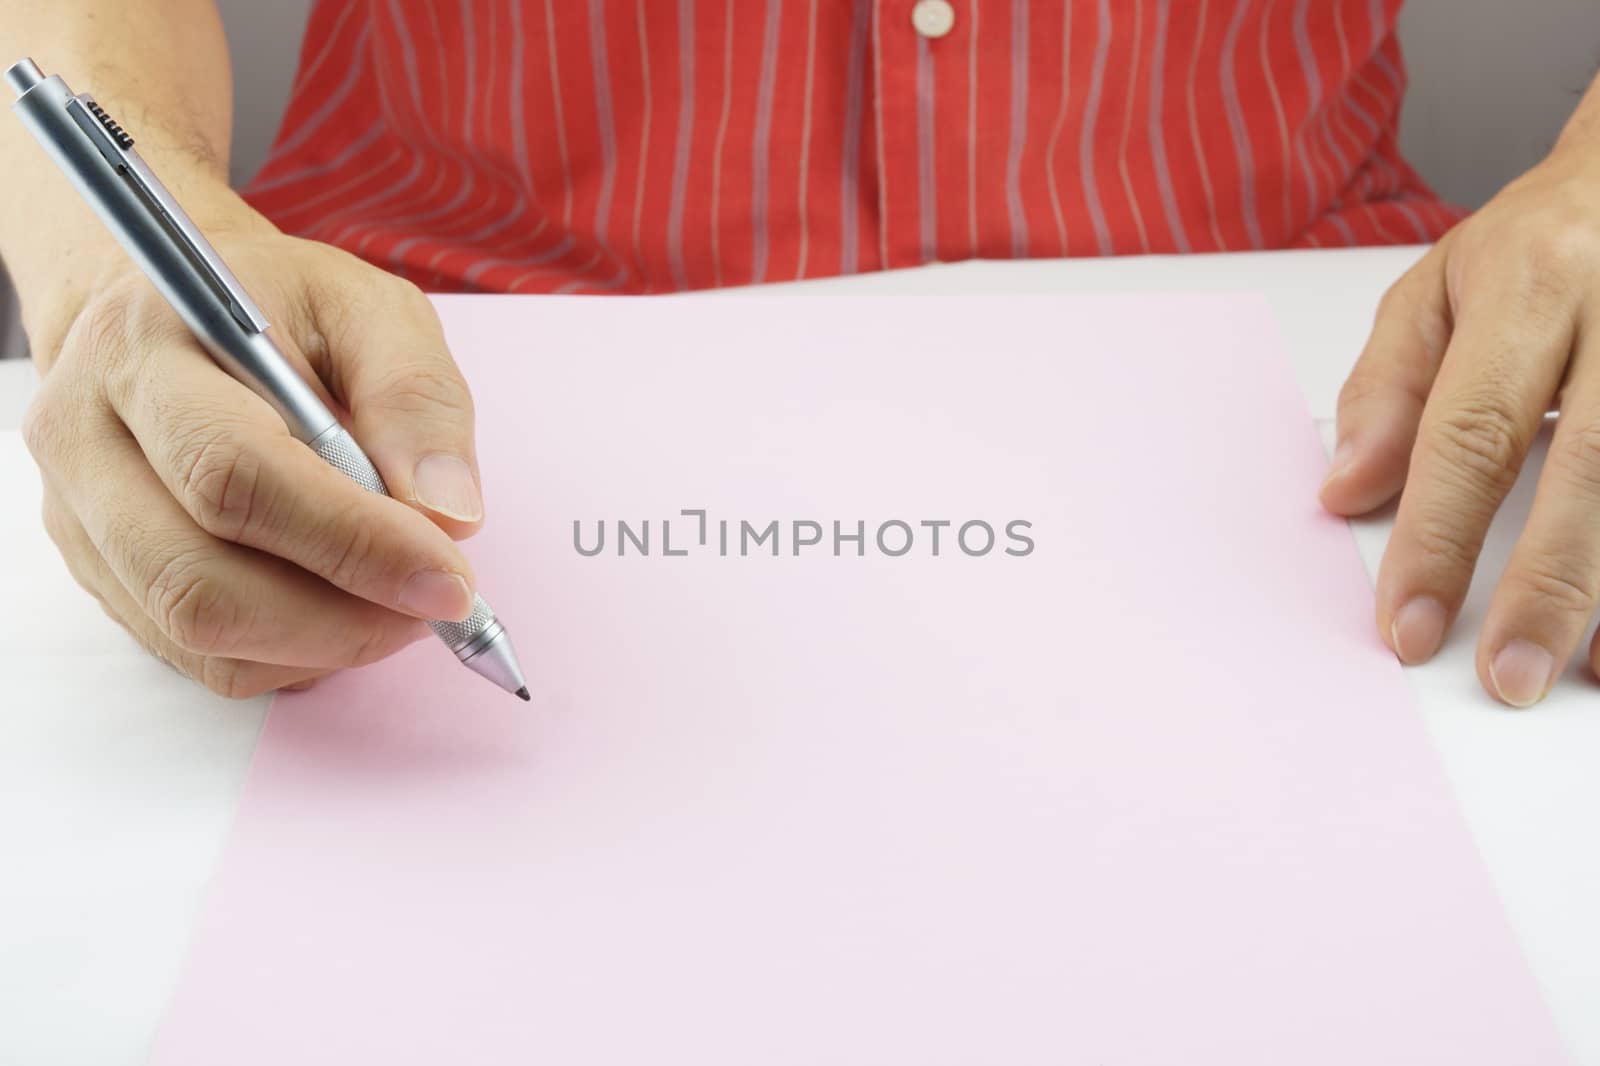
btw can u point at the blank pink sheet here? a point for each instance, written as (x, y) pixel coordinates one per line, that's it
(1152, 794)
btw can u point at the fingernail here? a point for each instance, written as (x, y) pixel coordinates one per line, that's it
(445, 484)
(437, 594)
(1343, 458)
(1417, 630)
(1521, 673)
(301, 686)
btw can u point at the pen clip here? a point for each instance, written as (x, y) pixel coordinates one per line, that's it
(117, 148)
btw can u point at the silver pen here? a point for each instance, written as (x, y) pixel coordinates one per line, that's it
(98, 156)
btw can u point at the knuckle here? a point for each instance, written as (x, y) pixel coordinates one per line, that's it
(47, 428)
(380, 294)
(86, 568)
(228, 678)
(1549, 266)
(1557, 584)
(375, 644)
(41, 429)
(1538, 263)
(1545, 299)
(192, 607)
(120, 322)
(1561, 245)
(1396, 299)
(1447, 542)
(162, 651)
(423, 390)
(123, 540)
(1579, 449)
(350, 556)
(1358, 389)
(219, 483)
(105, 324)
(1482, 440)
(1411, 329)
(403, 291)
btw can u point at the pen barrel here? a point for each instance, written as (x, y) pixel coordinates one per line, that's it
(140, 226)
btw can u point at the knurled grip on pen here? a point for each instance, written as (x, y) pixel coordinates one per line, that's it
(339, 450)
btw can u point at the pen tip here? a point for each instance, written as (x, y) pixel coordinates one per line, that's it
(523, 692)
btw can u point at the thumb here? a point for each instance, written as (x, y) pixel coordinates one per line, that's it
(410, 407)
(1380, 405)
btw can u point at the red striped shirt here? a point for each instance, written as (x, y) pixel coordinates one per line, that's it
(620, 145)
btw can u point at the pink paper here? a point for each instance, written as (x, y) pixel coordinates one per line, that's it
(1151, 794)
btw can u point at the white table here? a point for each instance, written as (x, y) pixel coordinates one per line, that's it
(118, 779)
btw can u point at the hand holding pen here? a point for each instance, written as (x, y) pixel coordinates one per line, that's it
(197, 481)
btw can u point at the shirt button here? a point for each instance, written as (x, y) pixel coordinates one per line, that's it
(933, 18)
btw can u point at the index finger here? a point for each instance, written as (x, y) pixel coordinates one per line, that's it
(1381, 403)
(1503, 364)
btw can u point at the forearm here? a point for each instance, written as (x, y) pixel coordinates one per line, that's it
(161, 68)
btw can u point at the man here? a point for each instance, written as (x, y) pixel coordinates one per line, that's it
(626, 146)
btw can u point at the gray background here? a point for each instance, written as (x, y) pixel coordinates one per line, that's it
(1491, 83)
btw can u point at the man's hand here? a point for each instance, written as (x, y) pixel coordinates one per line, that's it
(177, 496)
(224, 545)
(1498, 324)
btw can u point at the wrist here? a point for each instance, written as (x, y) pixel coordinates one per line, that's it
(83, 259)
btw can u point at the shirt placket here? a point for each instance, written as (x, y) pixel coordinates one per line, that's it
(906, 44)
